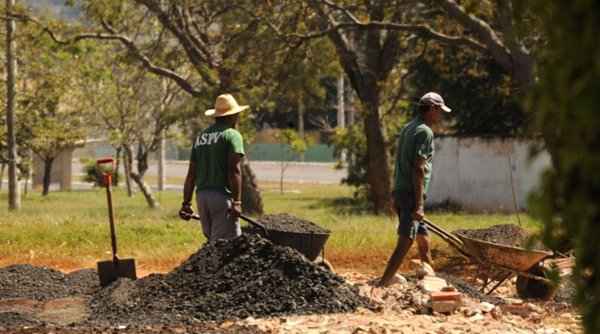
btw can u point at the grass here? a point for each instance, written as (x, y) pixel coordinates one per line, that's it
(69, 230)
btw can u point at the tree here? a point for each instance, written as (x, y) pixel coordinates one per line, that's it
(52, 118)
(565, 102)
(292, 145)
(488, 27)
(207, 34)
(368, 57)
(476, 87)
(14, 201)
(136, 109)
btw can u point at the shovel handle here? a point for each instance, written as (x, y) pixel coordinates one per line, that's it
(111, 216)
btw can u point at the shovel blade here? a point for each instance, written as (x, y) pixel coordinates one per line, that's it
(110, 271)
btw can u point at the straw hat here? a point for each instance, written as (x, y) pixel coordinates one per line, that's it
(225, 105)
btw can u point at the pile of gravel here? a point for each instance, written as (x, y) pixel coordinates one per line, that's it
(287, 223)
(204, 328)
(39, 283)
(247, 276)
(505, 234)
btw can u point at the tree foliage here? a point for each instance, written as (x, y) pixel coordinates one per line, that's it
(474, 85)
(565, 103)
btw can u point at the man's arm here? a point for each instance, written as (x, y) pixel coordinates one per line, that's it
(418, 183)
(234, 175)
(190, 183)
(188, 192)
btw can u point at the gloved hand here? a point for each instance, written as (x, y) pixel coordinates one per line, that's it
(186, 211)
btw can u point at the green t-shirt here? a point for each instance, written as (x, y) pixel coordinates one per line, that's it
(210, 153)
(415, 140)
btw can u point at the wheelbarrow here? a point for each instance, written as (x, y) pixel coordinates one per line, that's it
(311, 245)
(498, 263)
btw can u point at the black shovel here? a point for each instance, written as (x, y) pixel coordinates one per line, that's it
(110, 271)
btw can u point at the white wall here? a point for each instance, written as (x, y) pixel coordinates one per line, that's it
(475, 173)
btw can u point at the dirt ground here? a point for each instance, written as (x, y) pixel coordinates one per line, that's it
(392, 316)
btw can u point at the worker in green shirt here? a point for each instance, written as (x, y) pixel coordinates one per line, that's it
(215, 171)
(412, 174)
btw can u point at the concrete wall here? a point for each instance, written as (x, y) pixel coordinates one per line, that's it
(476, 173)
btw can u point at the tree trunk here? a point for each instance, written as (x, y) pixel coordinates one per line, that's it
(2, 168)
(29, 177)
(138, 178)
(161, 163)
(341, 117)
(127, 162)
(14, 198)
(47, 175)
(301, 124)
(378, 168)
(522, 73)
(115, 177)
(251, 198)
(146, 190)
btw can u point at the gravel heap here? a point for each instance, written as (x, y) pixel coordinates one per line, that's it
(247, 276)
(205, 328)
(287, 223)
(505, 234)
(39, 283)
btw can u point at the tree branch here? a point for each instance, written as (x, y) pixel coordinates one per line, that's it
(113, 36)
(483, 32)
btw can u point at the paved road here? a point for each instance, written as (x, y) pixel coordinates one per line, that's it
(323, 173)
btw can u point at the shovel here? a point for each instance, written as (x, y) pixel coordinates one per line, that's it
(110, 271)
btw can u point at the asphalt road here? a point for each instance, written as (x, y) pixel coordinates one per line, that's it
(322, 173)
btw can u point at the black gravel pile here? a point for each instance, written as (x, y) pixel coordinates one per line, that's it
(287, 223)
(247, 276)
(134, 329)
(83, 282)
(12, 319)
(39, 283)
(505, 234)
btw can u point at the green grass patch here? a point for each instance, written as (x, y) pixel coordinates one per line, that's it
(72, 227)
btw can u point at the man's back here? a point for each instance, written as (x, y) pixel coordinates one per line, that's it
(415, 140)
(210, 154)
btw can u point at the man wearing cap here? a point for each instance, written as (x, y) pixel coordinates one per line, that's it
(215, 171)
(411, 179)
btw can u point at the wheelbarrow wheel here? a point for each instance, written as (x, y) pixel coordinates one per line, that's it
(533, 288)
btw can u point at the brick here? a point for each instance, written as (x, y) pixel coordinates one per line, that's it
(432, 284)
(446, 295)
(445, 306)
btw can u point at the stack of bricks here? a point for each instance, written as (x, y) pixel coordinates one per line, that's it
(446, 301)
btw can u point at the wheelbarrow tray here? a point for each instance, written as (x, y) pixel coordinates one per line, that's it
(510, 257)
(309, 244)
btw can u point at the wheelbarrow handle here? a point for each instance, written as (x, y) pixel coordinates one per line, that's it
(246, 218)
(255, 223)
(448, 237)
